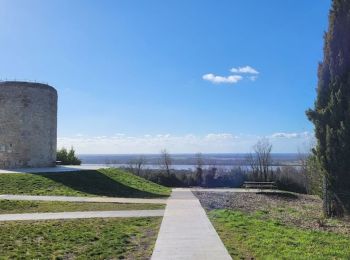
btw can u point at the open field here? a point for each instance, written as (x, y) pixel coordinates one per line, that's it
(103, 182)
(19, 206)
(276, 226)
(127, 238)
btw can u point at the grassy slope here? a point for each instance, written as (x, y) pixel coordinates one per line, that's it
(132, 238)
(18, 206)
(253, 236)
(104, 182)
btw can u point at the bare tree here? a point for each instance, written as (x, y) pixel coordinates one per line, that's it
(165, 161)
(263, 153)
(140, 162)
(252, 163)
(303, 160)
(260, 161)
(211, 173)
(199, 168)
(137, 164)
(199, 160)
(107, 163)
(311, 169)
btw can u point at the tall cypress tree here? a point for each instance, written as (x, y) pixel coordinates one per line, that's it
(331, 114)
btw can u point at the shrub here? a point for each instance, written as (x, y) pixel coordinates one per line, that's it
(68, 157)
(287, 178)
(314, 175)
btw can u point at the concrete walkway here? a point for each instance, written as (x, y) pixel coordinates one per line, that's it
(82, 199)
(82, 214)
(239, 190)
(186, 232)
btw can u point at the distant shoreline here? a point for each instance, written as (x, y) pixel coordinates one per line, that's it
(188, 160)
(180, 167)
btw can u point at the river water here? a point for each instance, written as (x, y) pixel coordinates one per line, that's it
(189, 167)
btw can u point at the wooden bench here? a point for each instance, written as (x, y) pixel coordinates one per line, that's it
(58, 162)
(259, 185)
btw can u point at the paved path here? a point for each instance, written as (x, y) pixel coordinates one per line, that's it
(186, 232)
(238, 190)
(82, 199)
(82, 214)
(59, 168)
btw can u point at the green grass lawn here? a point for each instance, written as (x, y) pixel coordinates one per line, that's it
(253, 235)
(103, 182)
(119, 238)
(21, 206)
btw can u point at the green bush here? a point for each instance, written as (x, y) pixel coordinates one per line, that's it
(315, 175)
(68, 157)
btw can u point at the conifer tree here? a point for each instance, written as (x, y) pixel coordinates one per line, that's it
(331, 114)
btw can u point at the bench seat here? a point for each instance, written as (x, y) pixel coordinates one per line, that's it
(259, 185)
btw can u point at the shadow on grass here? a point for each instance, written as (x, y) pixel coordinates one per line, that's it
(96, 183)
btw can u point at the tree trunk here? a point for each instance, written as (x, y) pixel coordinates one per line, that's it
(326, 198)
(332, 205)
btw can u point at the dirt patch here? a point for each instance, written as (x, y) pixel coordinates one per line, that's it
(143, 245)
(304, 211)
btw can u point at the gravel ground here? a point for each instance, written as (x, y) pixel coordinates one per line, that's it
(298, 210)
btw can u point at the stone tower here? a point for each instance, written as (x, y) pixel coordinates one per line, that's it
(28, 125)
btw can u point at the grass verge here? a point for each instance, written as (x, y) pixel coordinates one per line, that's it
(21, 206)
(251, 235)
(103, 182)
(130, 238)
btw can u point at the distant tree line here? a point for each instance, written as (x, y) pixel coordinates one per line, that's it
(290, 178)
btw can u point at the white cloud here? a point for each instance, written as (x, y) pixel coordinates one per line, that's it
(290, 135)
(189, 143)
(232, 79)
(245, 70)
(220, 79)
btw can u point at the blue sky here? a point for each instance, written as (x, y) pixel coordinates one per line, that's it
(131, 74)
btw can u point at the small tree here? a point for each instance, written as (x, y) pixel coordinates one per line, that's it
(165, 161)
(331, 113)
(260, 161)
(315, 175)
(210, 175)
(62, 155)
(303, 158)
(311, 170)
(68, 157)
(137, 164)
(199, 169)
(252, 163)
